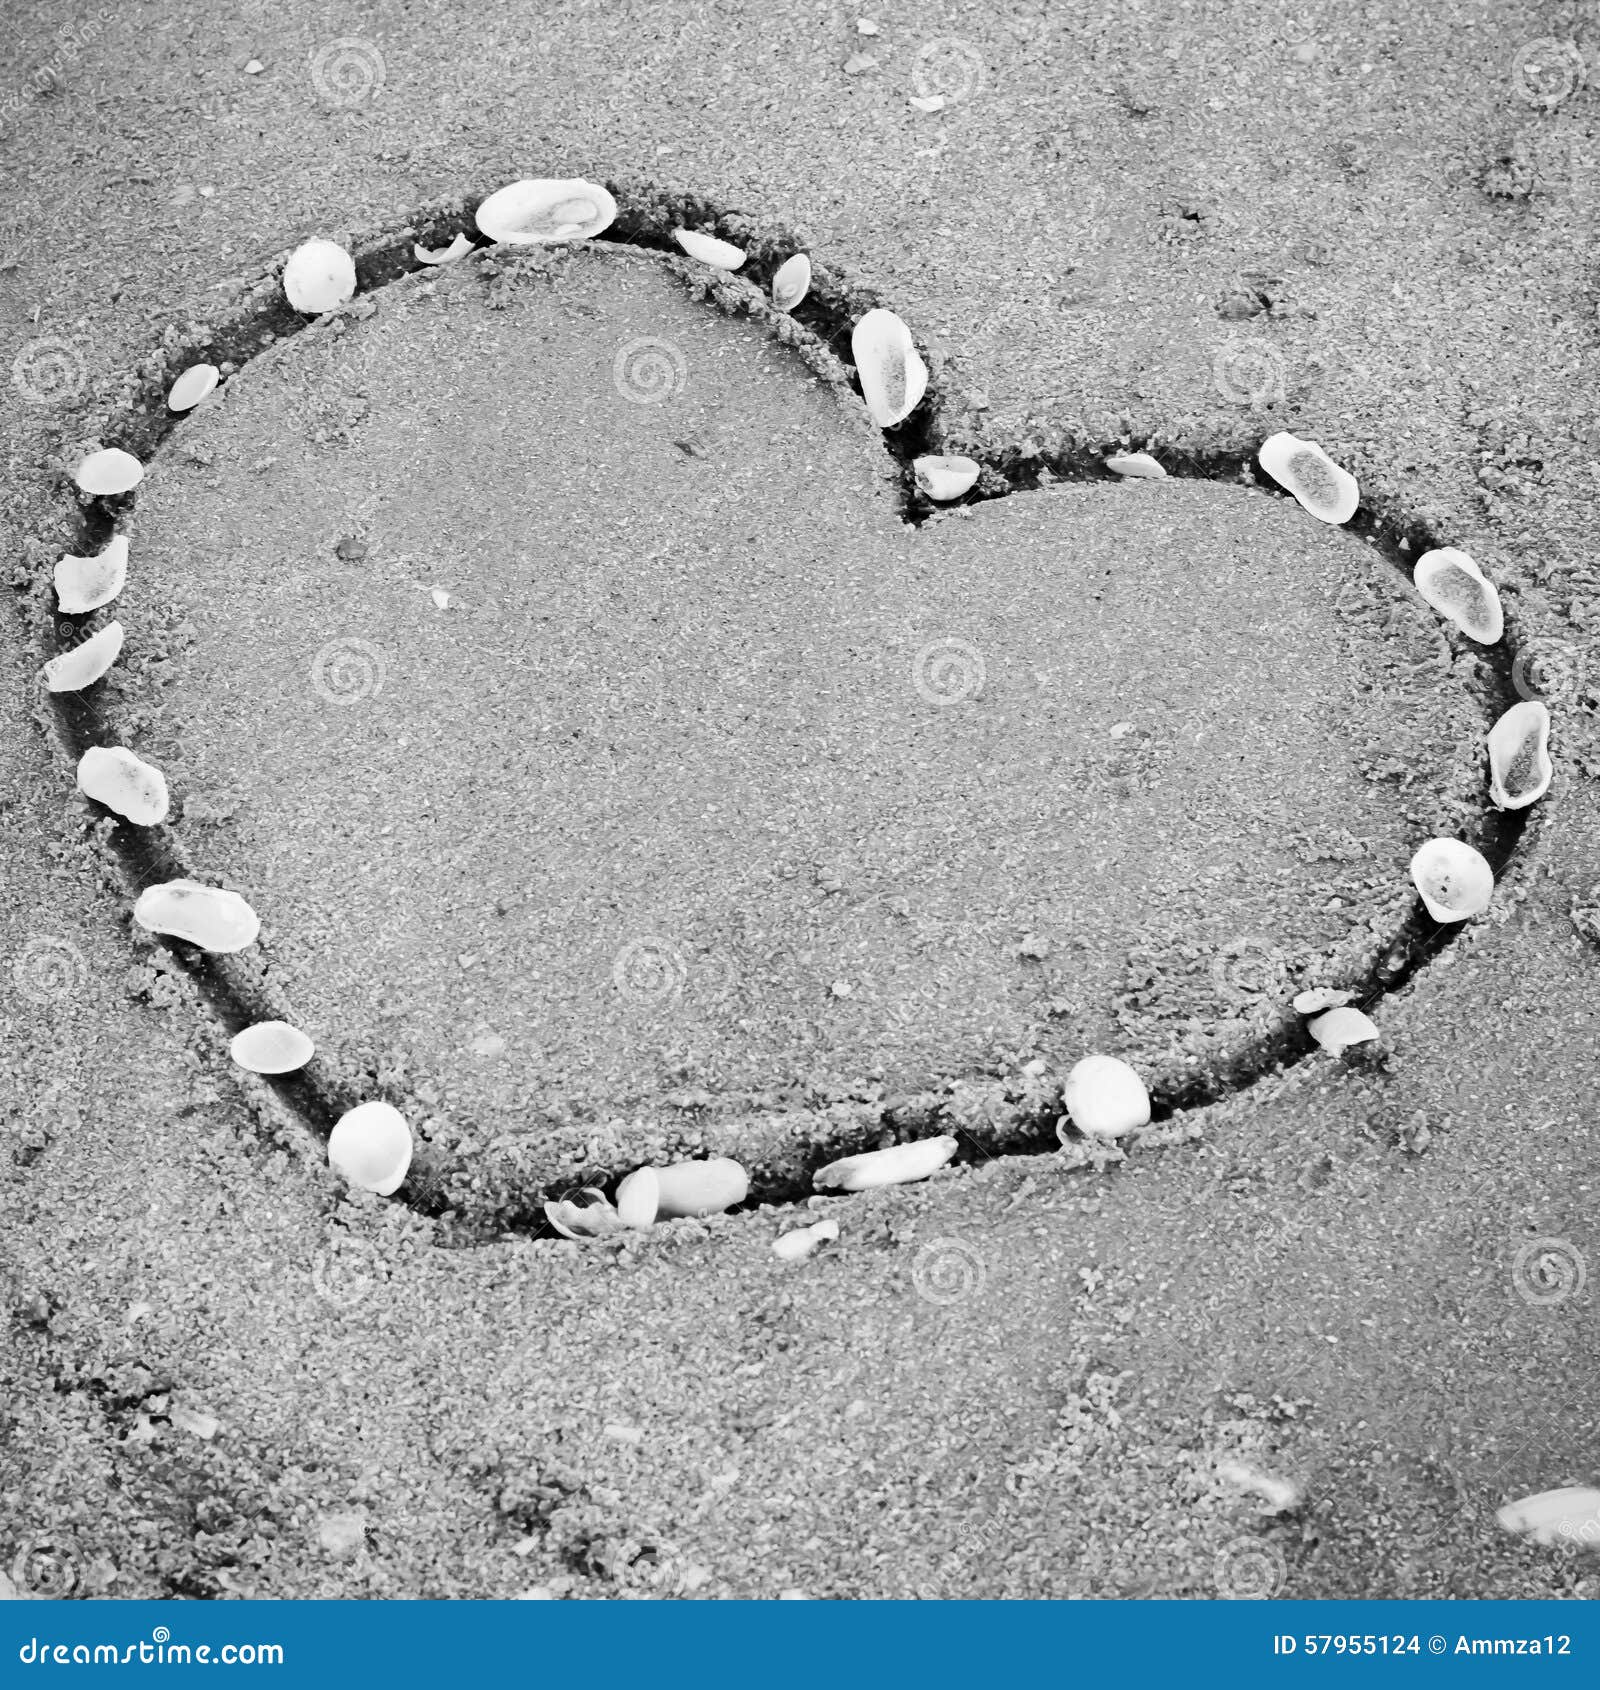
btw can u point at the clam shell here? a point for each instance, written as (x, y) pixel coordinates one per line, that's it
(900, 1164)
(542, 209)
(1453, 879)
(206, 916)
(458, 248)
(1319, 998)
(1302, 468)
(701, 1188)
(1337, 1029)
(795, 1246)
(1105, 1098)
(1136, 466)
(583, 1221)
(1519, 756)
(370, 1146)
(320, 276)
(109, 472)
(639, 1198)
(85, 583)
(791, 282)
(1455, 586)
(192, 386)
(113, 776)
(1570, 1515)
(81, 667)
(271, 1047)
(944, 478)
(707, 249)
(893, 375)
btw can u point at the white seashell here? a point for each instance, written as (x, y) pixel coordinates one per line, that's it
(893, 375)
(791, 282)
(458, 248)
(1570, 1515)
(320, 276)
(541, 209)
(1105, 1098)
(192, 386)
(1319, 998)
(945, 477)
(370, 1146)
(1455, 586)
(583, 1221)
(927, 102)
(86, 583)
(113, 776)
(701, 1188)
(1337, 1029)
(1454, 880)
(707, 249)
(206, 916)
(1519, 756)
(86, 663)
(271, 1047)
(1136, 466)
(900, 1164)
(1302, 468)
(639, 1198)
(108, 472)
(1280, 1495)
(796, 1246)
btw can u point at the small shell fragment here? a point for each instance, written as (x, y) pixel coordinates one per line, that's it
(900, 1164)
(1519, 756)
(639, 1198)
(1568, 1516)
(791, 282)
(797, 1245)
(458, 248)
(206, 916)
(1279, 1495)
(943, 477)
(320, 276)
(1105, 1098)
(707, 249)
(594, 1218)
(1455, 586)
(271, 1047)
(81, 667)
(1337, 1029)
(192, 386)
(1453, 879)
(113, 776)
(85, 583)
(109, 472)
(893, 375)
(370, 1146)
(701, 1188)
(1302, 468)
(1319, 998)
(543, 209)
(1136, 466)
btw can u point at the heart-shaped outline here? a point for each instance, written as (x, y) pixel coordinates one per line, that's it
(821, 324)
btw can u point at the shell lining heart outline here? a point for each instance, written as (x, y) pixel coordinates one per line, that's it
(232, 998)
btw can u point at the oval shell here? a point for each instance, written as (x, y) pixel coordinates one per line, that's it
(1302, 468)
(791, 282)
(1455, 586)
(108, 472)
(206, 916)
(196, 382)
(900, 1164)
(639, 1198)
(1337, 1029)
(1315, 999)
(541, 209)
(1453, 879)
(113, 776)
(1105, 1098)
(320, 276)
(795, 1246)
(1519, 755)
(945, 477)
(271, 1047)
(701, 1188)
(1136, 466)
(458, 248)
(583, 1221)
(707, 249)
(85, 583)
(893, 375)
(1570, 1515)
(85, 663)
(370, 1146)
